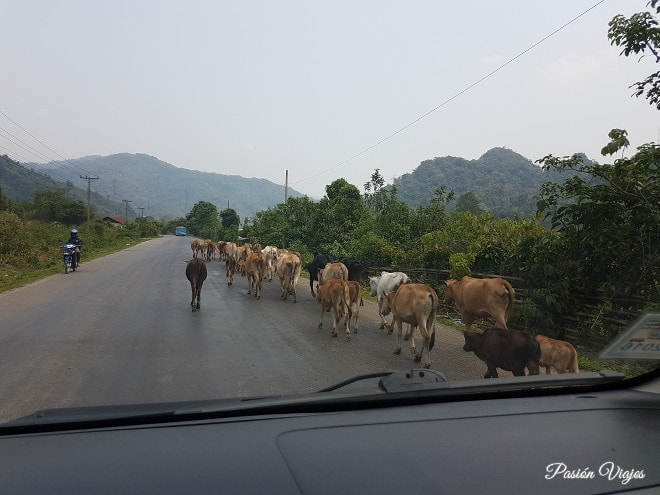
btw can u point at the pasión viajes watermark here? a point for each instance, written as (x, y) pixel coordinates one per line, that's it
(609, 470)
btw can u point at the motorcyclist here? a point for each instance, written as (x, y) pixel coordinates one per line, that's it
(74, 239)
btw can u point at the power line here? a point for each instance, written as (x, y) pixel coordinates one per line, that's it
(450, 99)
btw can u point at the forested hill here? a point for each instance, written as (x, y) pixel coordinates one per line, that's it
(166, 191)
(19, 184)
(503, 181)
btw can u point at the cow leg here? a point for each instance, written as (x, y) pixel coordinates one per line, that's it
(322, 313)
(398, 324)
(533, 367)
(518, 371)
(311, 287)
(335, 320)
(192, 300)
(492, 372)
(347, 316)
(199, 295)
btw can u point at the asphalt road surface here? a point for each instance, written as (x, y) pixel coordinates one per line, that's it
(120, 330)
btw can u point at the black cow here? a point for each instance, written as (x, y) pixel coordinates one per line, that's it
(354, 268)
(319, 261)
(196, 274)
(511, 350)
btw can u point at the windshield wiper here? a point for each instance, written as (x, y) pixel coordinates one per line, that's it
(429, 385)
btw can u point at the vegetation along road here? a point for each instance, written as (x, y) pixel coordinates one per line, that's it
(120, 330)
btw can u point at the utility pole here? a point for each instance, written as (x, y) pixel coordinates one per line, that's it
(286, 187)
(126, 201)
(141, 211)
(89, 189)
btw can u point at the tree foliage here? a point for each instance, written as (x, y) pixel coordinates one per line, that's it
(639, 34)
(608, 218)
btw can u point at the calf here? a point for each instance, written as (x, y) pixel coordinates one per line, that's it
(386, 281)
(319, 261)
(557, 354)
(196, 274)
(414, 304)
(511, 350)
(335, 294)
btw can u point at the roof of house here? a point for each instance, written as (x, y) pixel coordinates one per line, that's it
(119, 220)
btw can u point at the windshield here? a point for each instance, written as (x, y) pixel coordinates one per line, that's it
(218, 200)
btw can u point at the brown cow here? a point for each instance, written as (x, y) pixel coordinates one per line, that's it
(288, 269)
(476, 297)
(511, 350)
(335, 294)
(255, 269)
(414, 304)
(557, 354)
(196, 274)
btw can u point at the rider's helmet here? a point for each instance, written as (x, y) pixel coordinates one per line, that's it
(74, 233)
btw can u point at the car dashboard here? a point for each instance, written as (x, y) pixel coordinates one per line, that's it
(594, 439)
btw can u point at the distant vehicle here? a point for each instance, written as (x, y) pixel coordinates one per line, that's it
(180, 230)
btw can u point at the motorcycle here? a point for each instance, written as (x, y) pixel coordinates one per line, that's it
(69, 257)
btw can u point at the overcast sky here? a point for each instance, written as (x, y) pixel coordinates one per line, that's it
(322, 89)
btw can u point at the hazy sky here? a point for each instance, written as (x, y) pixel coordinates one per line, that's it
(322, 89)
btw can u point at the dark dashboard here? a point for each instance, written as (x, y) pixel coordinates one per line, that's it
(595, 439)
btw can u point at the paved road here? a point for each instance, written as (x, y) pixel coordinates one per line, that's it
(120, 330)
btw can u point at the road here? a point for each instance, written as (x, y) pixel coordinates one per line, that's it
(120, 330)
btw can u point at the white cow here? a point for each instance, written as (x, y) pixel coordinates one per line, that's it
(386, 281)
(270, 252)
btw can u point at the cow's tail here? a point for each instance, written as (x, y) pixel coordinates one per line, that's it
(511, 294)
(434, 300)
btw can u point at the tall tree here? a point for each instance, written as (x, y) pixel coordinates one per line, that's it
(608, 216)
(639, 34)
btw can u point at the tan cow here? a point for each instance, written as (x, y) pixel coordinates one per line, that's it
(208, 249)
(230, 261)
(557, 354)
(414, 304)
(335, 294)
(477, 297)
(194, 245)
(332, 270)
(255, 269)
(242, 253)
(288, 269)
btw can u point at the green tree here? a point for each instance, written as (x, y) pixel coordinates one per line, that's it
(203, 220)
(341, 211)
(229, 217)
(52, 205)
(608, 216)
(469, 202)
(639, 34)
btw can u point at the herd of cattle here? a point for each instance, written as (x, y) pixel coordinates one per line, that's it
(339, 289)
